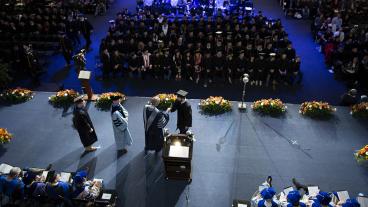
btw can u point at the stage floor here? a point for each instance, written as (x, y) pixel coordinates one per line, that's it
(233, 154)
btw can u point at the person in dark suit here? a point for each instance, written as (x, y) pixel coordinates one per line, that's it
(350, 98)
(83, 124)
(66, 47)
(184, 109)
(86, 28)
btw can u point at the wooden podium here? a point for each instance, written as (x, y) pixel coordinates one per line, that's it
(85, 76)
(177, 155)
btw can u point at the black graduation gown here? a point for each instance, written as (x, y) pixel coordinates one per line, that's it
(83, 124)
(184, 114)
(154, 136)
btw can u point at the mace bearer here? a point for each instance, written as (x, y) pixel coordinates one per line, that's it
(242, 105)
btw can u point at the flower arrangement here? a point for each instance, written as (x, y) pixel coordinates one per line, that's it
(166, 100)
(272, 107)
(16, 95)
(316, 109)
(5, 136)
(215, 105)
(362, 154)
(63, 98)
(104, 100)
(360, 110)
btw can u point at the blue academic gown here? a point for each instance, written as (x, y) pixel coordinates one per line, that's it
(10, 188)
(261, 203)
(301, 204)
(154, 136)
(62, 189)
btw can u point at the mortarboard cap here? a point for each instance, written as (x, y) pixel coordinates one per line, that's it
(273, 54)
(182, 93)
(79, 99)
(294, 197)
(111, 21)
(219, 32)
(268, 193)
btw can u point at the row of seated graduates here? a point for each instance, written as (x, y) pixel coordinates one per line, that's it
(255, 34)
(46, 188)
(34, 25)
(342, 32)
(306, 8)
(86, 6)
(198, 7)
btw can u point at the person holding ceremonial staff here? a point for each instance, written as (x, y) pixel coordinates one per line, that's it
(184, 112)
(154, 123)
(119, 116)
(83, 124)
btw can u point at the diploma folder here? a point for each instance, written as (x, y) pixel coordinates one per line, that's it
(65, 177)
(343, 195)
(313, 190)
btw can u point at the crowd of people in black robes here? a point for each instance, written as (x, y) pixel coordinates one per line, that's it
(342, 32)
(202, 49)
(36, 30)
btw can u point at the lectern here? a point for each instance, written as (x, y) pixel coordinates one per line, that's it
(177, 155)
(85, 76)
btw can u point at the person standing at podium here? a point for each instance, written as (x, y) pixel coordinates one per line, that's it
(154, 123)
(184, 121)
(83, 124)
(119, 116)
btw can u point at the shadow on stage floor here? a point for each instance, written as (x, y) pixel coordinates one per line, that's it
(233, 154)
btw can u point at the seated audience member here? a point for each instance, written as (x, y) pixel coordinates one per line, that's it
(293, 199)
(323, 199)
(363, 99)
(11, 186)
(350, 98)
(85, 189)
(58, 191)
(351, 202)
(267, 196)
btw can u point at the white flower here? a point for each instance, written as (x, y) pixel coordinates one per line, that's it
(65, 94)
(262, 104)
(49, 97)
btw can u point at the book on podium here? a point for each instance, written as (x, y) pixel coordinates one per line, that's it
(177, 155)
(85, 76)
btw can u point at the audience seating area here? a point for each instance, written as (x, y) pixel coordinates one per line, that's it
(200, 48)
(45, 187)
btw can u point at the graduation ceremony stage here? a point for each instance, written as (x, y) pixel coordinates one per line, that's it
(232, 155)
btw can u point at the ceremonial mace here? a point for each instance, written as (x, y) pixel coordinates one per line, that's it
(242, 105)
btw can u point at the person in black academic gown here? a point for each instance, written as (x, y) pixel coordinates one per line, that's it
(83, 124)
(154, 123)
(184, 112)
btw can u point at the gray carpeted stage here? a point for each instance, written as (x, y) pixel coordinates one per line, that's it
(233, 154)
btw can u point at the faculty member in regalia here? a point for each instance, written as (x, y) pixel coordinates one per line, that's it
(83, 124)
(184, 121)
(154, 123)
(119, 116)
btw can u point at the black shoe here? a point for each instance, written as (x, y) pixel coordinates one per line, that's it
(269, 180)
(48, 168)
(122, 152)
(299, 185)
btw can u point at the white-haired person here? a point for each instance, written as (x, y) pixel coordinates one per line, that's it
(11, 186)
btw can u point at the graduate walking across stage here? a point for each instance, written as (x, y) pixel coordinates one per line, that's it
(119, 117)
(154, 123)
(184, 121)
(83, 124)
